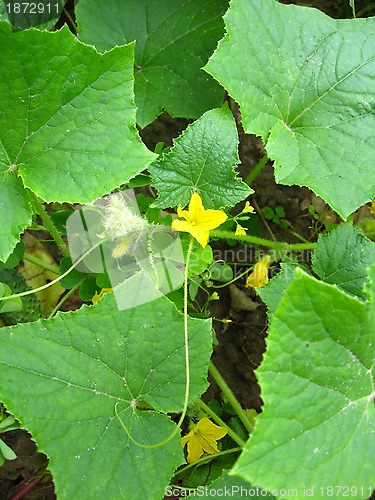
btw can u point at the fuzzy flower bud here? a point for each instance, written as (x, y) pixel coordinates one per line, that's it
(123, 226)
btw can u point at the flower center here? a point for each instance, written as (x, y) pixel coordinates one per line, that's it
(193, 223)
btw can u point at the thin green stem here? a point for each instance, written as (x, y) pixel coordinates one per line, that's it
(231, 397)
(253, 174)
(187, 385)
(72, 25)
(37, 227)
(66, 296)
(39, 262)
(280, 245)
(261, 215)
(47, 285)
(298, 236)
(221, 423)
(207, 458)
(49, 225)
(233, 280)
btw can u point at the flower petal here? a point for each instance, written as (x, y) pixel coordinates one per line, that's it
(194, 447)
(208, 444)
(211, 219)
(182, 225)
(186, 438)
(184, 214)
(259, 276)
(240, 231)
(200, 234)
(206, 427)
(196, 207)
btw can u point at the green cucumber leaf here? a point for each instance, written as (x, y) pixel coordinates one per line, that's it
(272, 292)
(68, 123)
(14, 258)
(342, 257)
(305, 83)
(6, 452)
(221, 271)
(11, 305)
(62, 378)
(15, 207)
(202, 160)
(318, 392)
(173, 41)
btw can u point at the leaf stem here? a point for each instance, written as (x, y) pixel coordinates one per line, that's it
(66, 296)
(221, 423)
(231, 397)
(257, 169)
(261, 215)
(49, 225)
(37, 227)
(187, 386)
(47, 285)
(280, 245)
(298, 236)
(39, 262)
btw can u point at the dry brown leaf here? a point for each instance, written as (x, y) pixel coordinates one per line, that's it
(35, 276)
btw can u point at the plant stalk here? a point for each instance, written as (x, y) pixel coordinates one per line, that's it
(49, 225)
(231, 397)
(257, 169)
(279, 245)
(66, 296)
(221, 423)
(39, 262)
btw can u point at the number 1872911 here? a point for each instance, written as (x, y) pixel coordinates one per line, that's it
(32, 8)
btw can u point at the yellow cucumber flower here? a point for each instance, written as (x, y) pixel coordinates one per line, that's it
(372, 208)
(203, 438)
(259, 276)
(240, 231)
(198, 221)
(248, 209)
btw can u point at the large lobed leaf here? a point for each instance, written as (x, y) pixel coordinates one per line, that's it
(317, 382)
(173, 41)
(62, 378)
(305, 83)
(202, 160)
(341, 258)
(67, 123)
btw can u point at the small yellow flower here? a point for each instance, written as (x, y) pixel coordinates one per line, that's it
(203, 438)
(372, 208)
(198, 221)
(215, 296)
(98, 296)
(240, 231)
(259, 276)
(248, 209)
